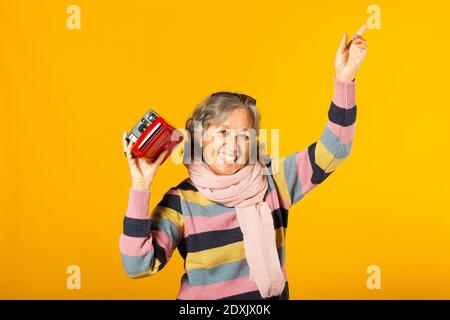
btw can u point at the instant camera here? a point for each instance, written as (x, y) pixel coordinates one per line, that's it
(152, 135)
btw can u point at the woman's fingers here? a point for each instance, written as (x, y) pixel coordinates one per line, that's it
(360, 32)
(126, 145)
(132, 163)
(157, 162)
(124, 141)
(362, 29)
(129, 146)
(359, 43)
(356, 37)
(362, 45)
(160, 158)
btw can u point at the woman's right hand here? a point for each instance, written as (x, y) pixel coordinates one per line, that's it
(142, 170)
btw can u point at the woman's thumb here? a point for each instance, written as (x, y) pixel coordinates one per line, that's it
(343, 43)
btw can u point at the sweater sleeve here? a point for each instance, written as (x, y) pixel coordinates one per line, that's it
(148, 241)
(299, 172)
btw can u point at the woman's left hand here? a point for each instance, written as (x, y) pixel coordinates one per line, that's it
(350, 56)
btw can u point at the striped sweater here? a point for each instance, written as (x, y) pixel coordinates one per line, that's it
(207, 234)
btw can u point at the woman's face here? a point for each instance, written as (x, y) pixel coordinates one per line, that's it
(226, 146)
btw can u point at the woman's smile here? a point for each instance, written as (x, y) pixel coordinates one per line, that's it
(224, 157)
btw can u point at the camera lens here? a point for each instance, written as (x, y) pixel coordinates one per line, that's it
(151, 117)
(142, 128)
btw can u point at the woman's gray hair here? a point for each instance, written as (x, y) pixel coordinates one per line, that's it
(215, 109)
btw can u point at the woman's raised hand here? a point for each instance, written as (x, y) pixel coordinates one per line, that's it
(350, 55)
(142, 170)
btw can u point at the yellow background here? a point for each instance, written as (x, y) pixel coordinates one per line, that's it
(67, 95)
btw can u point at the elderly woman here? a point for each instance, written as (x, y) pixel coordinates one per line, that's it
(229, 218)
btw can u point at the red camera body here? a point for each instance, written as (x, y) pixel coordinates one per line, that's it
(152, 135)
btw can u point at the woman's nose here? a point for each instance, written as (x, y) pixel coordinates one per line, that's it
(231, 142)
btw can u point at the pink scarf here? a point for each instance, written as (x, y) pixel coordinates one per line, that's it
(245, 191)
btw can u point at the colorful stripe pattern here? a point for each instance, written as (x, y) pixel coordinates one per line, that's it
(207, 234)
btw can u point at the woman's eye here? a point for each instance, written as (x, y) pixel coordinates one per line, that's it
(244, 136)
(223, 132)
